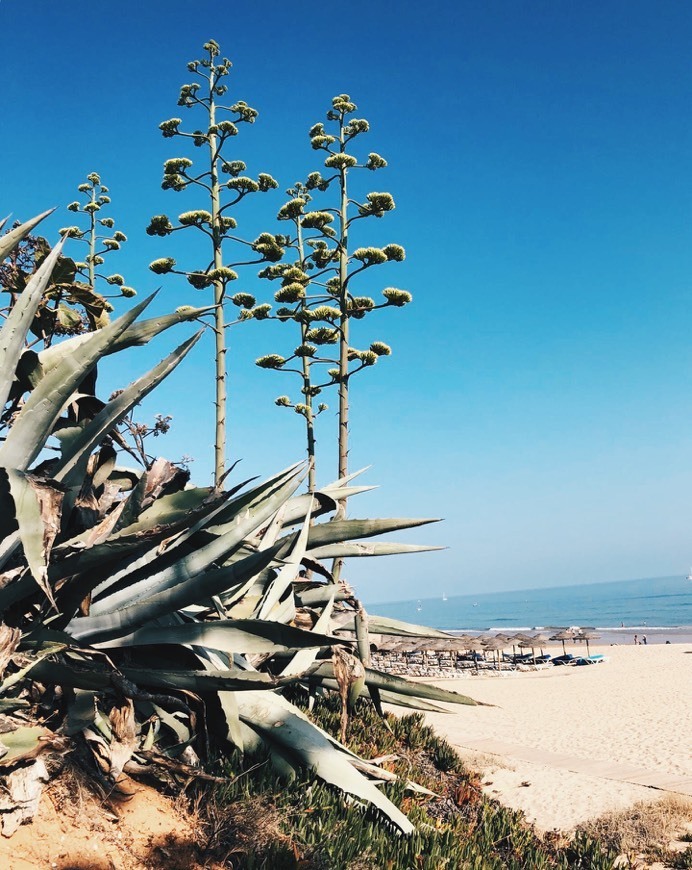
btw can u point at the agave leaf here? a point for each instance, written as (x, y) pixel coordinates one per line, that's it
(320, 595)
(24, 742)
(288, 572)
(278, 724)
(96, 679)
(9, 241)
(387, 625)
(340, 531)
(228, 507)
(81, 711)
(37, 418)
(342, 481)
(16, 327)
(320, 502)
(195, 587)
(404, 701)
(169, 509)
(360, 548)
(37, 507)
(247, 636)
(17, 677)
(190, 566)
(138, 334)
(400, 686)
(303, 659)
(8, 705)
(84, 441)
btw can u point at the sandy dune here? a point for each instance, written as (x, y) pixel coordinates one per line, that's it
(585, 739)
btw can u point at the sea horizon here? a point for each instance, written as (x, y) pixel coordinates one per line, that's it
(653, 604)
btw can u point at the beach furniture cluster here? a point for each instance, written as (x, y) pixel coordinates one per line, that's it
(467, 655)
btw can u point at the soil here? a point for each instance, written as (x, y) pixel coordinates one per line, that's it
(76, 830)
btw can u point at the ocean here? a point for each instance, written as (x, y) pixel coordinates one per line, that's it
(661, 606)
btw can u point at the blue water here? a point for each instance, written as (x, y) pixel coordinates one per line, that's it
(652, 602)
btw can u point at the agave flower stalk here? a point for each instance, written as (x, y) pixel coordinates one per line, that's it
(215, 224)
(101, 244)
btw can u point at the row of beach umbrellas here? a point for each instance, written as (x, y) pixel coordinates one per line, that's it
(494, 643)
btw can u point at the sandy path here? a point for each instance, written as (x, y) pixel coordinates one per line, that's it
(585, 738)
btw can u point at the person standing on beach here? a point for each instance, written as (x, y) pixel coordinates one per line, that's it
(636, 639)
(644, 639)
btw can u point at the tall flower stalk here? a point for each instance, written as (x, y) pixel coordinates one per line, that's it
(216, 224)
(319, 283)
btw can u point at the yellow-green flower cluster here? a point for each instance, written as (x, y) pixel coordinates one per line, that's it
(199, 280)
(162, 266)
(198, 217)
(290, 292)
(243, 300)
(271, 361)
(174, 182)
(342, 103)
(377, 205)
(267, 245)
(170, 128)
(399, 298)
(226, 128)
(322, 335)
(370, 256)
(159, 225)
(317, 220)
(340, 161)
(356, 126)
(291, 210)
(243, 184)
(325, 312)
(223, 274)
(380, 348)
(71, 232)
(234, 168)
(261, 312)
(266, 182)
(176, 164)
(242, 109)
(367, 357)
(395, 253)
(307, 350)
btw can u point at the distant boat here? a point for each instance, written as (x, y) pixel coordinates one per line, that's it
(419, 606)
(476, 604)
(444, 596)
(689, 576)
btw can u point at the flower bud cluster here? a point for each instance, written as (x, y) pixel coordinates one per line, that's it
(271, 361)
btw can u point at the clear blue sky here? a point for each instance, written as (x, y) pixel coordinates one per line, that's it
(539, 395)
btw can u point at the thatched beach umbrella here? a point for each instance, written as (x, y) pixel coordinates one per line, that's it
(540, 639)
(495, 644)
(587, 636)
(474, 644)
(566, 634)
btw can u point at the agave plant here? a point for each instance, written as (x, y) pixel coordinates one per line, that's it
(148, 616)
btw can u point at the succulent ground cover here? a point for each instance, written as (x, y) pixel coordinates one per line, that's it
(261, 821)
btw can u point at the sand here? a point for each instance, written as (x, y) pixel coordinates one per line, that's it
(568, 744)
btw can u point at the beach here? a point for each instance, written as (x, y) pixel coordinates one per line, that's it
(568, 744)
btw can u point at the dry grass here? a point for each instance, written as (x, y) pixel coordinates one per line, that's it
(233, 829)
(645, 827)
